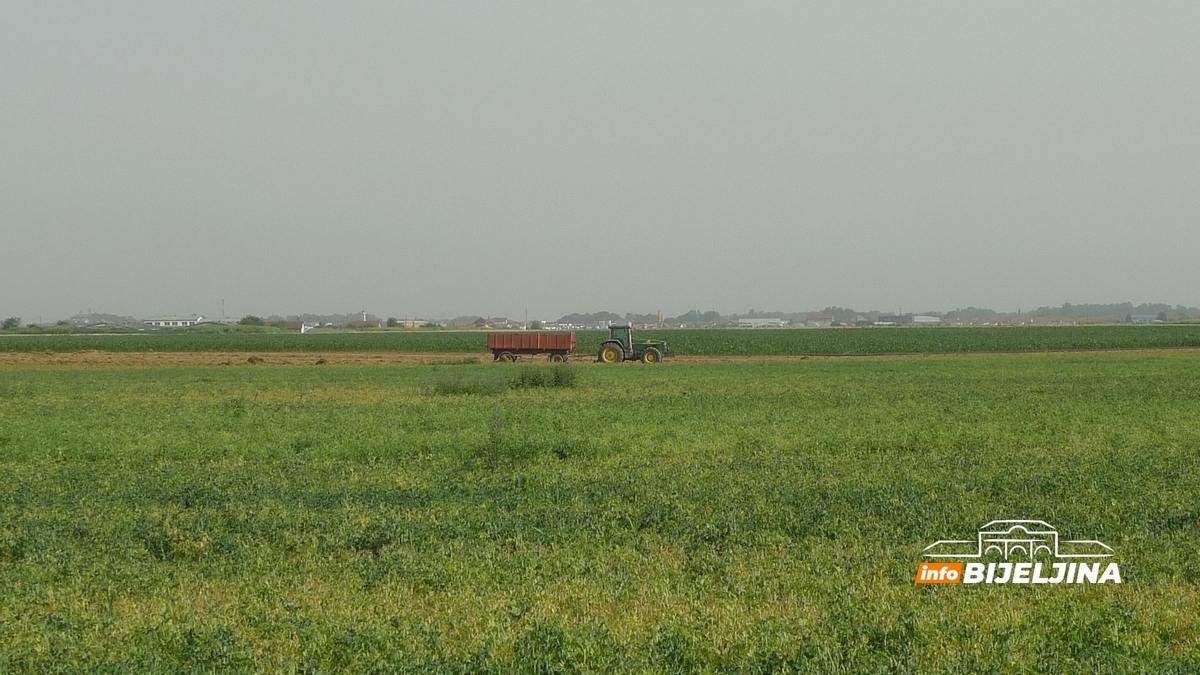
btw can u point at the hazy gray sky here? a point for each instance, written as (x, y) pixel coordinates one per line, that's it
(444, 158)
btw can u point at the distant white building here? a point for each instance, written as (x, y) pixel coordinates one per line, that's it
(926, 320)
(172, 321)
(762, 323)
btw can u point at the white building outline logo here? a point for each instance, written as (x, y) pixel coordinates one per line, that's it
(1018, 537)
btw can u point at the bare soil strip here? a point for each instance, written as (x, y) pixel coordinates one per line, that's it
(101, 359)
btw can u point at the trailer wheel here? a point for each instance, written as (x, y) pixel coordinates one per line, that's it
(557, 358)
(507, 357)
(651, 355)
(610, 352)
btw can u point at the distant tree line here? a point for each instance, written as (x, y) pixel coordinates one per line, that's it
(1123, 310)
(320, 319)
(1067, 310)
(584, 319)
(846, 315)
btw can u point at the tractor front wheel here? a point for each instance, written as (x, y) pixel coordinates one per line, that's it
(651, 355)
(610, 352)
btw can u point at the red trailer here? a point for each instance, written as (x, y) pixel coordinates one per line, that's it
(511, 346)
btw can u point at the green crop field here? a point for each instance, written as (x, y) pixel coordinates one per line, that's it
(690, 517)
(185, 341)
(710, 342)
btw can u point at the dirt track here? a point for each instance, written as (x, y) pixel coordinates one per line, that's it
(100, 359)
(92, 358)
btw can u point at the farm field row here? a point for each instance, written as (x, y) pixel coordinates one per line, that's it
(711, 342)
(99, 359)
(691, 517)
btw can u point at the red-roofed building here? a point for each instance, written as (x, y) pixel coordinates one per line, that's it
(818, 319)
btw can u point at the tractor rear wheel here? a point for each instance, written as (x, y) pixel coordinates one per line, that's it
(507, 357)
(610, 352)
(651, 355)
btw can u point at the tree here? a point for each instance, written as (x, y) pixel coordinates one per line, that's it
(12, 322)
(841, 313)
(392, 322)
(1162, 316)
(535, 325)
(695, 316)
(251, 320)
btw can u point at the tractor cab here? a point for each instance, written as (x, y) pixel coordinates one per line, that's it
(620, 346)
(623, 335)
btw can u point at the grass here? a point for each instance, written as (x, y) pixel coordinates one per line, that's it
(554, 376)
(486, 381)
(713, 342)
(724, 517)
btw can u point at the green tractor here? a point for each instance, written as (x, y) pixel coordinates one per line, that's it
(620, 346)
